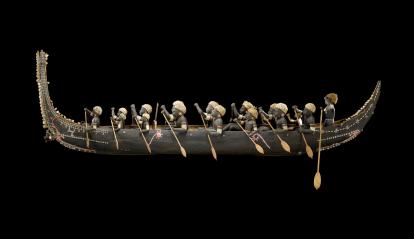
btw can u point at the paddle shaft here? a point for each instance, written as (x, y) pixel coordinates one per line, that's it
(205, 127)
(320, 141)
(304, 139)
(267, 121)
(86, 130)
(166, 120)
(232, 115)
(208, 134)
(298, 119)
(300, 124)
(145, 140)
(273, 129)
(155, 119)
(113, 130)
(245, 133)
(283, 143)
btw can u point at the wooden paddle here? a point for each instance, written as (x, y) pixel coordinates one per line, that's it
(113, 130)
(86, 131)
(258, 147)
(178, 141)
(213, 151)
(285, 145)
(317, 180)
(155, 119)
(145, 140)
(309, 151)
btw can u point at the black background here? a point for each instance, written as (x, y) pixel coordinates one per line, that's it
(228, 59)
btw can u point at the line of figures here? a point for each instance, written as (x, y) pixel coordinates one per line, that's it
(276, 118)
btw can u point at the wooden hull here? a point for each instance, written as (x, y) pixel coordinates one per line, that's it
(72, 135)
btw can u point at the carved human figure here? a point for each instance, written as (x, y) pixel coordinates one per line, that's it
(177, 117)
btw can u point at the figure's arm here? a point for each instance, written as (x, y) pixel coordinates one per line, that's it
(284, 125)
(183, 128)
(113, 113)
(254, 126)
(144, 120)
(235, 112)
(89, 112)
(145, 127)
(166, 113)
(203, 114)
(199, 110)
(254, 129)
(327, 108)
(133, 111)
(219, 129)
(297, 112)
(263, 114)
(219, 125)
(290, 119)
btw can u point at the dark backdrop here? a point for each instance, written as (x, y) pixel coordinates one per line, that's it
(112, 64)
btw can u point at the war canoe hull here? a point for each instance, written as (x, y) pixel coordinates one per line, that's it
(72, 134)
(195, 142)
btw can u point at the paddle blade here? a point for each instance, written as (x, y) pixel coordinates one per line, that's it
(259, 149)
(317, 181)
(213, 151)
(183, 152)
(285, 146)
(309, 151)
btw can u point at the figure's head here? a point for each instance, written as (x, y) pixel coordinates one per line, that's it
(273, 109)
(309, 109)
(178, 108)
(246, 106)
(252, 114)
(97, 110)
(122, 111)
(146, 108)
(218, 111)
(211, 106)
(280, 109)
(331, 98)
